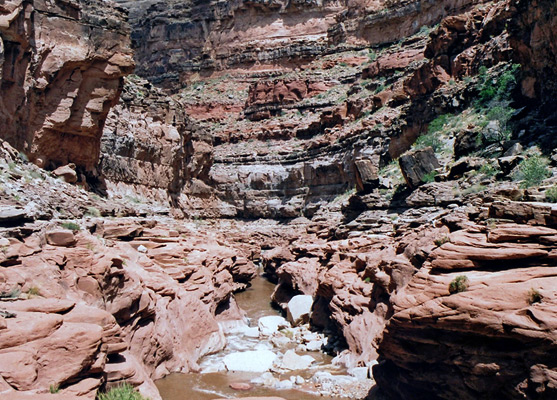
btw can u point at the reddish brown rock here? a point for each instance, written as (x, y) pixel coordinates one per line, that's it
(75, 82)
(61, 237)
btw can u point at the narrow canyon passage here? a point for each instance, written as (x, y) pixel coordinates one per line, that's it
(214, 380)
(389, 165)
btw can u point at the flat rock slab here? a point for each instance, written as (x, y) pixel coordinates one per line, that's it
(48, 306)
(293, 361)
(11, 213)
(250, 361)
(255, 398)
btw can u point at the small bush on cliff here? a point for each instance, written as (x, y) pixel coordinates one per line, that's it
(551, 194)
(533, 171)
(54, 388)
(432, 137)
(499, 88)
(71, 226)
(430, 177)
(534, 296)
(458, 284)
(123, 392)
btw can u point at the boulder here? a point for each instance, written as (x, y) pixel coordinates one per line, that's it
(299, 309)
(66, 172)
(367, 177)
(271, 324)
(61, 237)
(293, 361)
(415, 165)
(250, 361)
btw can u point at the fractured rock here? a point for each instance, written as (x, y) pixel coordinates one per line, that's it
(271, 324)
(415, 165)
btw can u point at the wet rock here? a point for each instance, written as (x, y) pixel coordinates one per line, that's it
(416, 164)
(293, 361)
(299, 309)
(240, 386)
(271, 324)
(250, 361)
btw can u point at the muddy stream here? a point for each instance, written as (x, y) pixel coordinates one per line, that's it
(314, 382)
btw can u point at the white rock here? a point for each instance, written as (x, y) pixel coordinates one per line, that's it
(300, 380)
(284, 385)
(280, 341)
(142, 249)
(251, 332)
(299, 309)
(266, 379)
(271, 324)
(314, 345)
(293, 361)
(360, 373)
(250, 361)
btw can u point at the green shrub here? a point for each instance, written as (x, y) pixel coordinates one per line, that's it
(92, 212)
(372, 55)
(441, 241)
(432, 138)
(534, 296)
(430, 177)
(71, 226)
(458, 284)
(496, 88)
(488, 170)
(533, 171)
(54, 388)
(34, 291)
(551, 194)
(122, 392)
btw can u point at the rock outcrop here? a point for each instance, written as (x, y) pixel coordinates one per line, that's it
(58, 85)
(133, 300)
(494, 336)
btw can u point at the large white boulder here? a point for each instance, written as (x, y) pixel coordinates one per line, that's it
(250, 361)
(271, 324)
(293, 361)
(299, 309)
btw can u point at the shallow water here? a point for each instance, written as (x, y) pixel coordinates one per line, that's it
(208, 386)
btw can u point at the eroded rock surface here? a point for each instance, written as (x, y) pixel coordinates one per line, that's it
(58, 84)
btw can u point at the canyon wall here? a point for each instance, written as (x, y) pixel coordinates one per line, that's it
(58, 84)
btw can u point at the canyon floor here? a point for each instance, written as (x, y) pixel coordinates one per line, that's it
(303, 199)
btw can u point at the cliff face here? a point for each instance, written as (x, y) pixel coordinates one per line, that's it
(59, 84)
(200, 38)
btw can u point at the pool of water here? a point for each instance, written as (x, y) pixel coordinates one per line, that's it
(216, 385)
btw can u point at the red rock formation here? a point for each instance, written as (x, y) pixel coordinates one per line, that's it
(96, 310)
(58, 84)
(494, 338)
